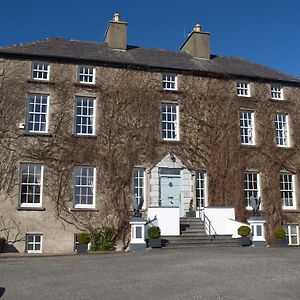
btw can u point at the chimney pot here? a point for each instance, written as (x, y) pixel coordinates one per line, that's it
(116, 17)
(197, 28)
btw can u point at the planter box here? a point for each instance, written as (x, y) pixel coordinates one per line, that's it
(82, 248)
(154, 243)
(245, 241)
(191, 214)
(281, 242)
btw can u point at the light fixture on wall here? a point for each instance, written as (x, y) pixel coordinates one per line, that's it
(173, 158)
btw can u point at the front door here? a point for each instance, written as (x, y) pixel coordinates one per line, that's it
(170, 187)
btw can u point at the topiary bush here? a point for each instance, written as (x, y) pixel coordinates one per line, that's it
(103, 240)
(279, 233)
(244, 230)
(83, 238)
(154, 232)
(2, 239)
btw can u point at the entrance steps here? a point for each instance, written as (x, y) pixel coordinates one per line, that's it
(192, 234)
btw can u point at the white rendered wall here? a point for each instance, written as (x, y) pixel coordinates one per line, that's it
(221, 219)
(167, 219)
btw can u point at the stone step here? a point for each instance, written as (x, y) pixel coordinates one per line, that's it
(174, 246)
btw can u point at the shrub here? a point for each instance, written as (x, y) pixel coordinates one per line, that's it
(154, 232)
(103, 240)
(279, 233)
(83, 238)
(244, 231)
(191, 207)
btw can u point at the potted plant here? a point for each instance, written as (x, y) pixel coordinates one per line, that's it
(2, 244)
(83, 239)
(154, 237)
(244, 233)
(281, 239)
(191, 213)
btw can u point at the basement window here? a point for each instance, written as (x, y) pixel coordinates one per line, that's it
(243, 89)
(34, 243)
(86, 74)
(292, 232)
(169, 81)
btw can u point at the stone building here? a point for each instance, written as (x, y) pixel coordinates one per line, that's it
(90, 129)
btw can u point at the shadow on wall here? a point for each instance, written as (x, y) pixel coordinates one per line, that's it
(10, 249)
(2, 291)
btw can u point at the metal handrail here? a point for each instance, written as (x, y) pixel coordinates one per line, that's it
(207, 225)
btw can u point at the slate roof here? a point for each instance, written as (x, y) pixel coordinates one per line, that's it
(60, 48)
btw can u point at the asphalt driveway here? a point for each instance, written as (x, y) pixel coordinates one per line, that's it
(222, 273)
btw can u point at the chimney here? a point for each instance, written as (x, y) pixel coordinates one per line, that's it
(197, 43)
(116, 33)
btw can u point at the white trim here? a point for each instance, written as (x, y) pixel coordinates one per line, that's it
(289, 234)
(94, 189)
(94, 115)
(42, 71)
(165, 81)
(34, 242)
(248, 207)
(285, 132)
(176, 123)
(89, 75)
(276, 89)
(26, 204)
(294, 200)
(243, 88)
(28, 113)
(252, 136)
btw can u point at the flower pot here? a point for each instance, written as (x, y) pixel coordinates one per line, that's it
(191, 214)
(82, 248)
(245, 240)
(154, 243)
(281, 242)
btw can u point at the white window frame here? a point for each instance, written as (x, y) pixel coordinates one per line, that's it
(35, 113)
(243, 88)
(34, 243)
(93, 186)
(137, 187)
(28, 204)
(284, 188)
(290, 235)
(169, 81)
(282, 132)
(171, 122)
(277, 92)
(85, 73)
(40, 68)
(247, 125)
(251, 191)
(87, 116)
(201, 185)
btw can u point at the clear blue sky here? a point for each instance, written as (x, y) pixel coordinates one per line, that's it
(265, 31)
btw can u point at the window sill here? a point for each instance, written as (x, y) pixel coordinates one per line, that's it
(290, 210)
(46, 134)
(249, 146)
(40, 81)
(84, 209)
(88, 85)
(20, 208)
(171, 91)
(92, 136)
(170, 141)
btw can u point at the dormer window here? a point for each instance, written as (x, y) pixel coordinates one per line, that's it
(40, 70)
(86, 74)
(276, 92)
(243, 89)
(169, 81)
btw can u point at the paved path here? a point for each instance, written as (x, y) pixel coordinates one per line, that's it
(223, 273)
